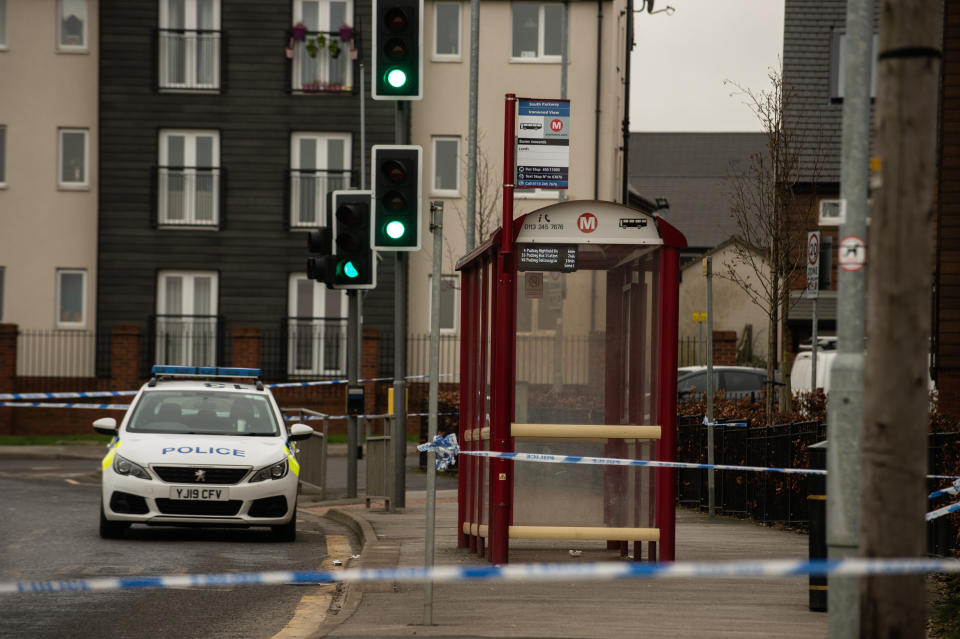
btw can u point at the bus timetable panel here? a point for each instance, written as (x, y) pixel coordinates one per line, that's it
(547, 257)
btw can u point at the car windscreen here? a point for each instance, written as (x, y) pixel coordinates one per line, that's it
(204, 413)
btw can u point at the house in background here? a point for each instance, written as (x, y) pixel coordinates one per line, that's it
(222, 129)
(945, 369)
(692, 176)
(813, 39)
(733, 309)
(693, 173)
(49, 180)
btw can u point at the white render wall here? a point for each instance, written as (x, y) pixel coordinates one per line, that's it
(445, 108)
(42, 227)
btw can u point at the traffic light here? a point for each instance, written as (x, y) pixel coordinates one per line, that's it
(354, 261)
(320, 268)
(397, 50)
(396, 197)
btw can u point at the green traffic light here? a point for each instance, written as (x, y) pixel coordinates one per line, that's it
(395, 229)
(348, 269)
(396, 78)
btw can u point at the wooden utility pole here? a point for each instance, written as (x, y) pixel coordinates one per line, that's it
(894, 462)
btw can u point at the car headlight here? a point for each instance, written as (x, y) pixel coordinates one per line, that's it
(274, 471)
(123, 466)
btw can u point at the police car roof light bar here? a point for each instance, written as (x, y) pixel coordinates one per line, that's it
(205, 371)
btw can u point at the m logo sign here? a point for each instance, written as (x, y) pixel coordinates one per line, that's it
(587, 222)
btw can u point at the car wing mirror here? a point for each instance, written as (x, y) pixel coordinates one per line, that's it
(300, 432)
(105, 426)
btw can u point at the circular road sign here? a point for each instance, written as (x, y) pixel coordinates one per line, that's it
(852, 254)
(813, 249)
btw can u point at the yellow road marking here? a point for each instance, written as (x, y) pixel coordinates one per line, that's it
(312, 609)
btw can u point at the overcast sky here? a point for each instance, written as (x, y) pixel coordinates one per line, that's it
(680, 62)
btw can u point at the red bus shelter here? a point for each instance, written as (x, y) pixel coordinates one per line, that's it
(569, 347)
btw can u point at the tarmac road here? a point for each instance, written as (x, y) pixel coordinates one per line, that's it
(49, 531)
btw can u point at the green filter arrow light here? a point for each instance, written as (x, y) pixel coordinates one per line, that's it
(350, 270)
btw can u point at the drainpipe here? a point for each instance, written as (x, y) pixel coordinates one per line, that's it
(626, 104)
(596, 124)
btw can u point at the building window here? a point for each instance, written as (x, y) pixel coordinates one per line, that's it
(71, 298)
(448, 302)
(537, 31)
(72, 25)
(316, 328)
(446, 167)
(446, 31)
(186, 322)
(188, 179)
(3, 153)
(321, 60)
(319, 164)
(73, 158)
(189, 41)
(838, 47)
(3, 24)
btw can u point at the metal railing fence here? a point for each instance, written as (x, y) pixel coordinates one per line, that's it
(765, 497)
(56, 353)
(189, 59)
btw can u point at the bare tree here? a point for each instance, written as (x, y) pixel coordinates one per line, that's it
(773, 203)
(487, 208)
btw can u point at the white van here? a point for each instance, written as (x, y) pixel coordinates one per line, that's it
(801, 373)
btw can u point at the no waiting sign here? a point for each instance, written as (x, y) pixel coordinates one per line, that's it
(813, 264)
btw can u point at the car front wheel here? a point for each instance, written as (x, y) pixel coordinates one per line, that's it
(288, 531)
(111, 529)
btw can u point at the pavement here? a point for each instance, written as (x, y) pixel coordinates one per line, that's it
(740, 607)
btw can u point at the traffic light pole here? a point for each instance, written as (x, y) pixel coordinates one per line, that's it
(353, 435)
(399, 434)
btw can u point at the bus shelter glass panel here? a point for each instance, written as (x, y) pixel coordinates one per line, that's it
(586, 354)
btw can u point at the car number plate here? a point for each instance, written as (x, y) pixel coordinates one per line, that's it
(199, 494)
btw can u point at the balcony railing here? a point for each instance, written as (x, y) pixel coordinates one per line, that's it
(189, 340)
(322, 63)
(189, 59)
(316, 346)
(188, 196)
(308, 195)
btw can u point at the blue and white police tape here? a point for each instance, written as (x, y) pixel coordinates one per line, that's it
(64, 405)
(940, 512)
(130, 393)
(717, 424)
(511, 572)
(952, 490)
(78, 395)
(613, 461)
(446, 449)
(307, 418)
(331, 382)
(649, 463)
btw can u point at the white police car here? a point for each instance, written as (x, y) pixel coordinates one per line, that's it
(201, 446)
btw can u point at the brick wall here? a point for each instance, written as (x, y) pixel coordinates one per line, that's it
(725, 348)
(126, 351)
(8, 371)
